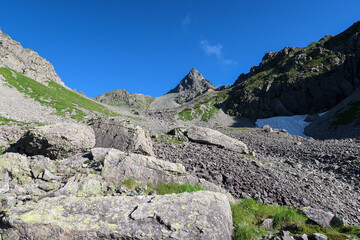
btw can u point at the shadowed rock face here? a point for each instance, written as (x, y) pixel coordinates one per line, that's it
(191, 86)
(199, 215)
(300, 80)
(318, 216)
(58, 140)
(342, 121)
(26, 61)
(122, 135)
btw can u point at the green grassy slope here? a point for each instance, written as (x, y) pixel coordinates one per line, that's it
(63, 100)
(205, 108)
(249, 214)
(121, 98)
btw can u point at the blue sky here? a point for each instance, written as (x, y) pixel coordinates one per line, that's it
(148, 46)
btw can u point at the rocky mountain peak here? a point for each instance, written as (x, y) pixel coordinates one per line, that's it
(195, 74)
(191, 86)
(193, 81)
(25, 61)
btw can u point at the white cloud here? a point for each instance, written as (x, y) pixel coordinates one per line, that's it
(215, 50)
(186, 21)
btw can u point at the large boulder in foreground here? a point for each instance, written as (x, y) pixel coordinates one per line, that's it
(198, 215)
(213, 137)
(122, 135)
(58, 140)
(119, 166)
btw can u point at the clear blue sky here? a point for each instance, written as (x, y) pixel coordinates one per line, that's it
(148, 46)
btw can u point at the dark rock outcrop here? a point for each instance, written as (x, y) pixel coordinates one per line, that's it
(300, 80)
(342, 121)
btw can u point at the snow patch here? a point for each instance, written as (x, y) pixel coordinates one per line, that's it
(295, 125)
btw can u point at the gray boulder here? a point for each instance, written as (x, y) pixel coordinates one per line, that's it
(7, 200)
(119, 166)
(122, 135)
(43, 167)
(318, 236)
(267, 128)
(286, 235)
(4, 186)
(199, 215)
(57, 141)
(213, 137)
(82, 186)
(301, 237)
(320, 217)
(268, 223)
(15, 167)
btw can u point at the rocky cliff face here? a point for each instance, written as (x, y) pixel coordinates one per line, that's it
(300, 80)
(191, 86)
(25, 61)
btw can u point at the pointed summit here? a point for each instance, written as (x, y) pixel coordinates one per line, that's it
(191, 86)
(195, 73)
(193, 81)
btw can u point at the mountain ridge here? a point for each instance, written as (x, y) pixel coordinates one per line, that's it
(300, 80)
(26, 61)
(121, 97)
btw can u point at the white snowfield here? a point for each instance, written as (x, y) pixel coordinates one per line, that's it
(295, 125)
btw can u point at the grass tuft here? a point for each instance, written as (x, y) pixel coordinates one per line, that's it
(163, 188)
(169, 188)
(130, 184)
(346, 232)
(248, 214)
